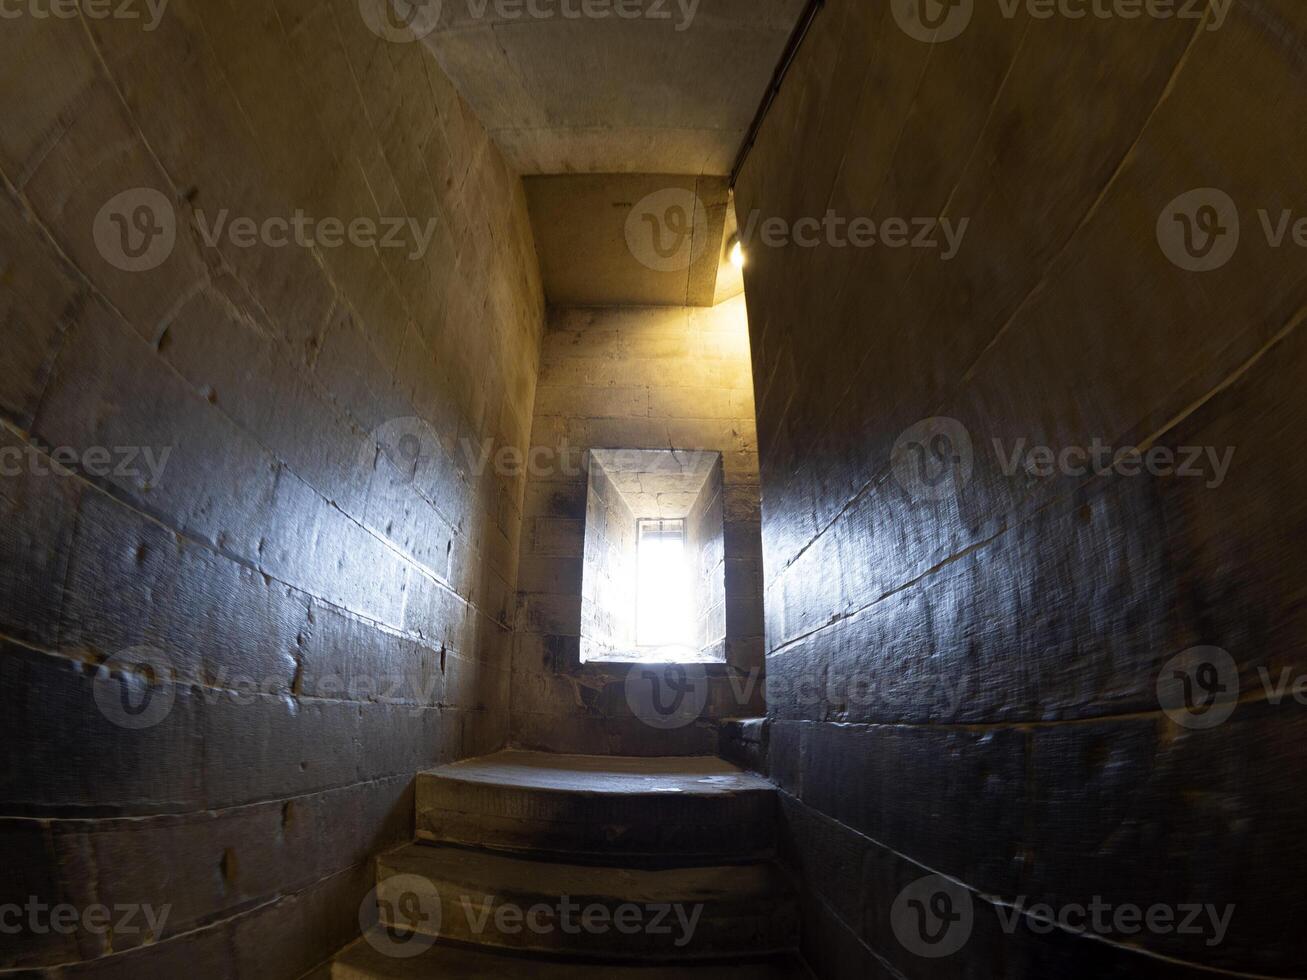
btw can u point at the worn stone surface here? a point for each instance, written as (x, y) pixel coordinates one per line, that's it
(327, 554)
(642, 810)
(608, 574)
(745, 742)
(968, 681)
(573, 861)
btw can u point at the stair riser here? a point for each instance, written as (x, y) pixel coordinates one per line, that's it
(604, 926)
(363, 962)
(678, 826)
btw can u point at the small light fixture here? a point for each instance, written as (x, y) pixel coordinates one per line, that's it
(737, 253)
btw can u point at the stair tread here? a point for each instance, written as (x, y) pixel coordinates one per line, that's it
(485, 872)
(604, 775)
(360, 961)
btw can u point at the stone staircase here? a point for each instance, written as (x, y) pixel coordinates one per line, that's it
(529, 864)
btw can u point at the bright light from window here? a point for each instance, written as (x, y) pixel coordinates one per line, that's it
(737, 254)
(662, 616)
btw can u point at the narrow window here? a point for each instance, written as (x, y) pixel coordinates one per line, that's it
(663, 607)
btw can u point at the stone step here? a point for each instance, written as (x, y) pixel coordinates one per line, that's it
(362, 961)
(513, 903)
(648, 810)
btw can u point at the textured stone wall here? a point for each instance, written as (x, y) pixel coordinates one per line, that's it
(963, 676)
(314, 591)
(608, 584)
(705, 546)
(631, 378)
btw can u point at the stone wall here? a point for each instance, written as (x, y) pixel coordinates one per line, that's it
(631, 378)
(963, 678)
(705, 546)
(315, 588)
(607, 618)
